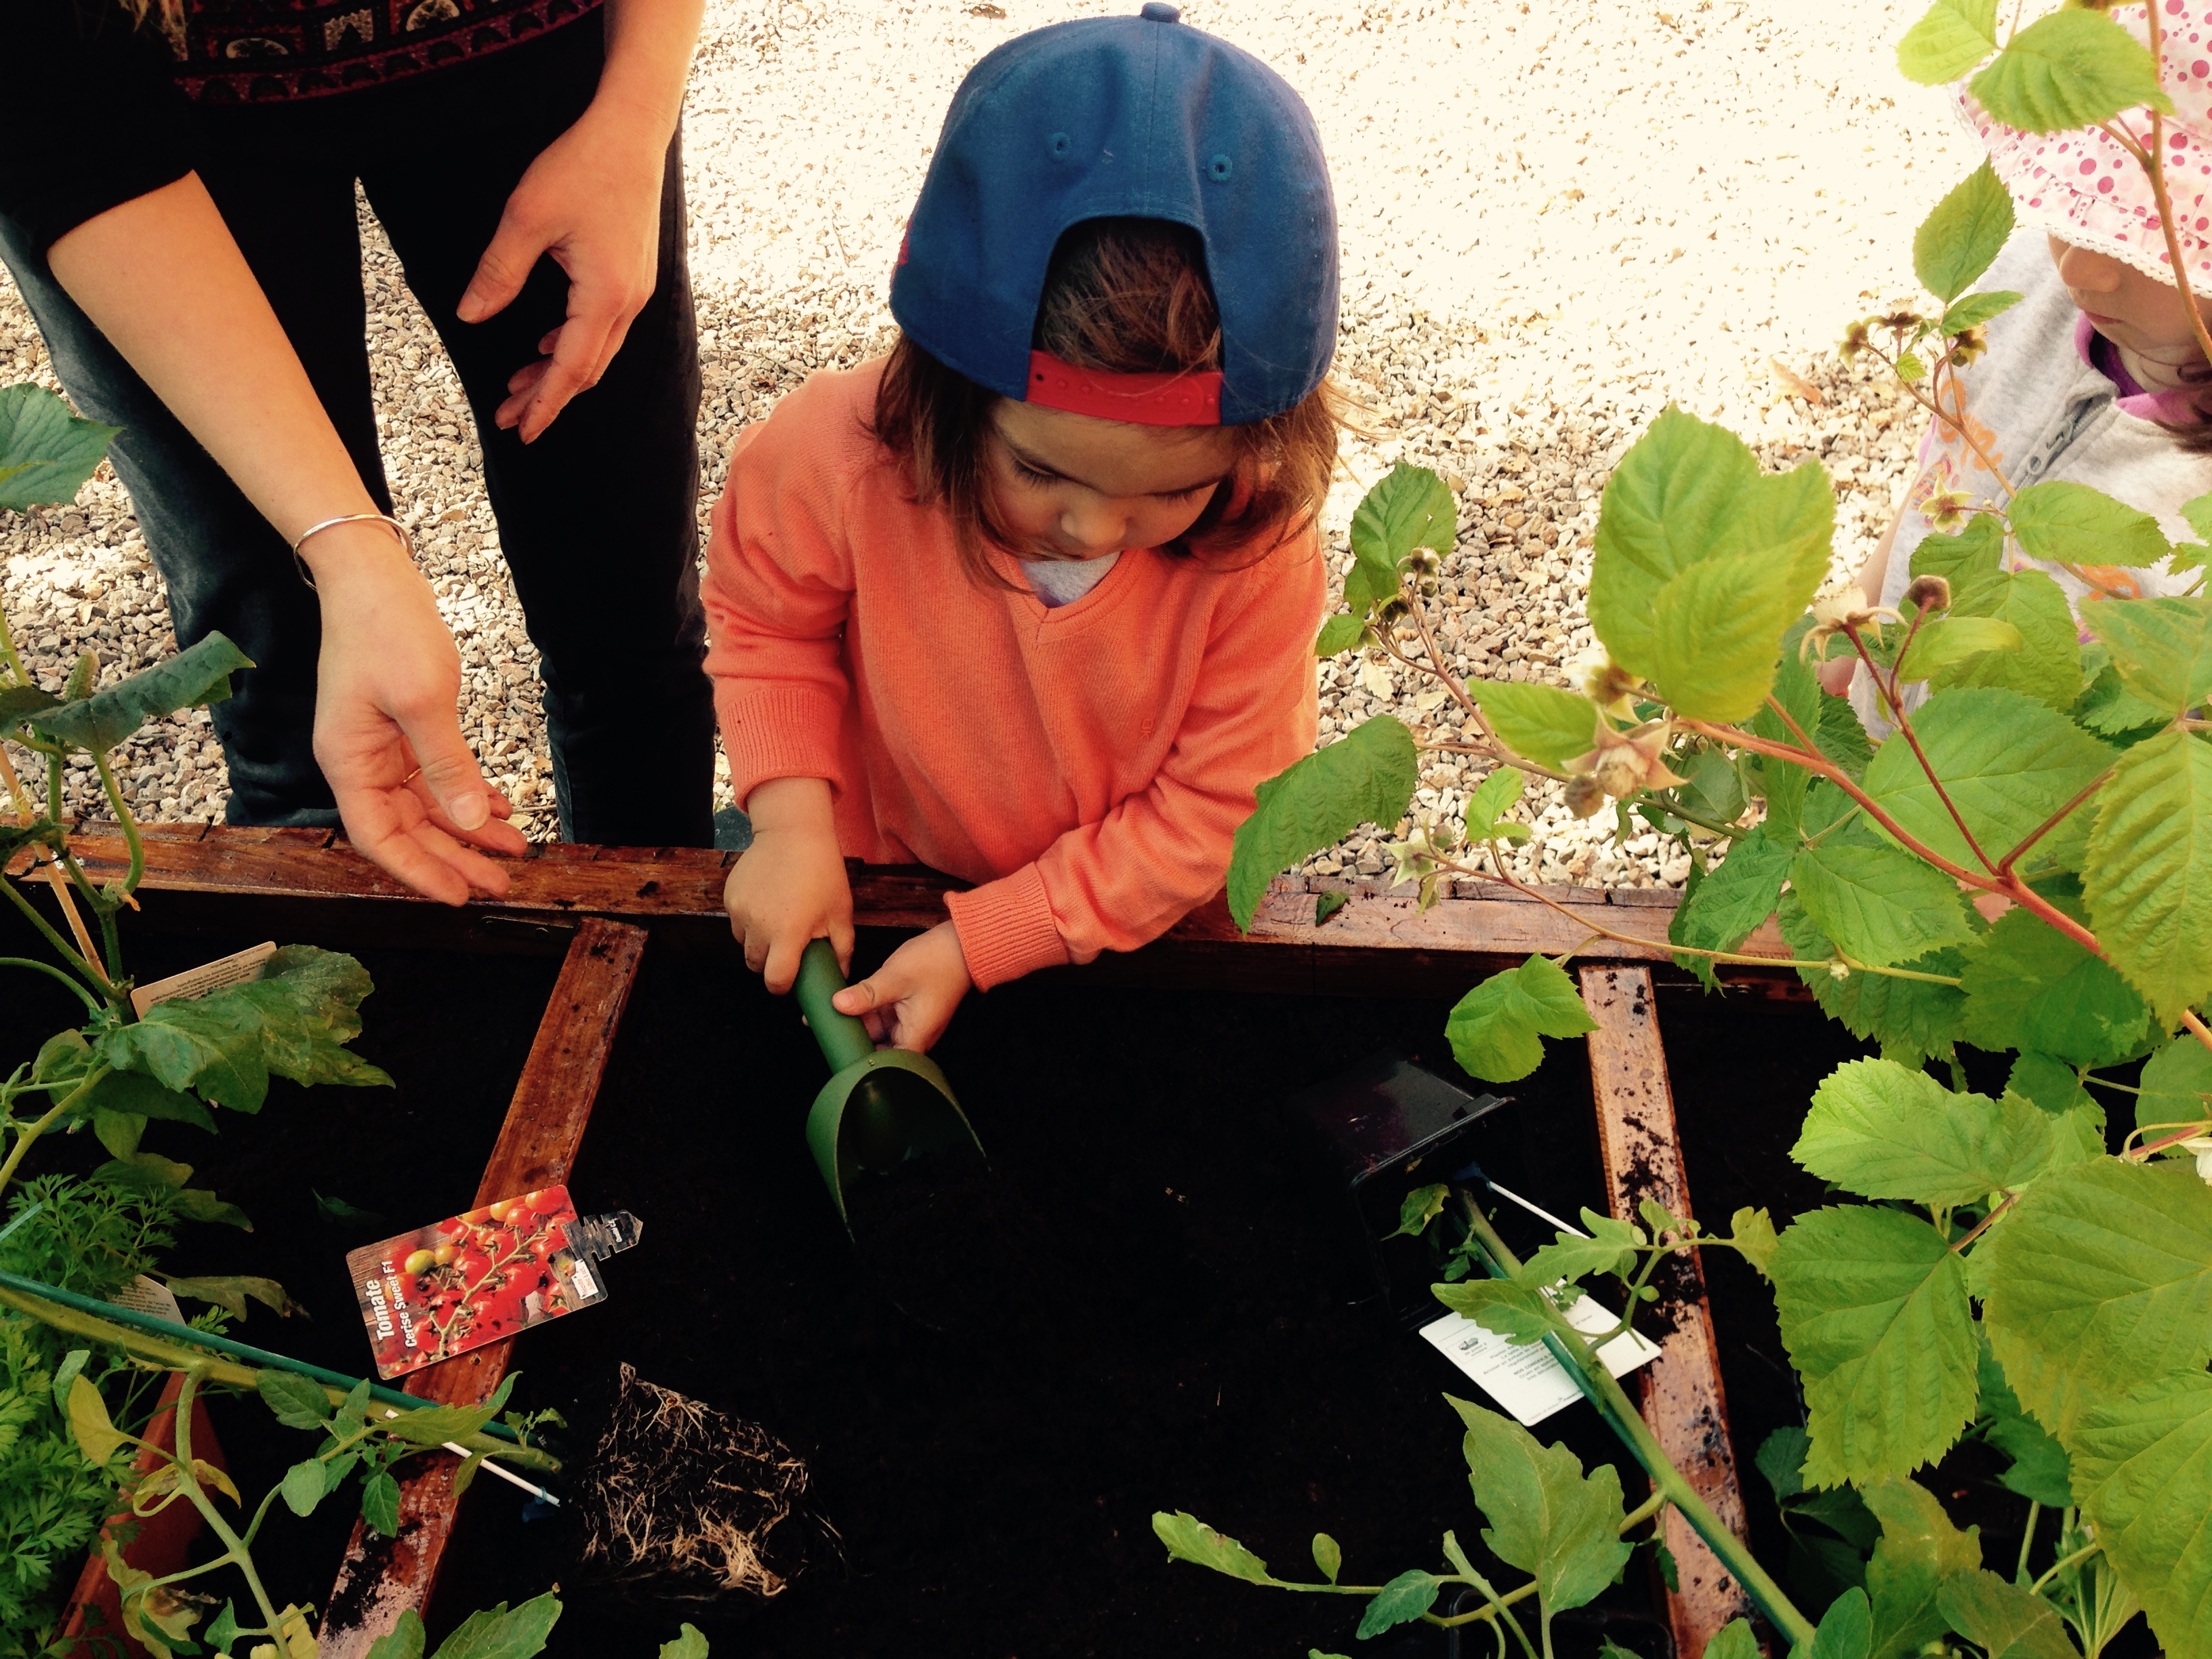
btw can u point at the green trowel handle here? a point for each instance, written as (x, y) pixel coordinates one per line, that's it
(844, 1040)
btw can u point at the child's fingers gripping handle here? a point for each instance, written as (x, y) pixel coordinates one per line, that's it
(844, 1040)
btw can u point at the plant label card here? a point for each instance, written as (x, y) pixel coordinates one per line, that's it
(482, 1277)
(1527, 1381)
(217, 976)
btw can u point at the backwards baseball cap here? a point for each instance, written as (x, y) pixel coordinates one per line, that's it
(1125, 118)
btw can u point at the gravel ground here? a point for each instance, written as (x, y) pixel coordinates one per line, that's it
(1552, 227)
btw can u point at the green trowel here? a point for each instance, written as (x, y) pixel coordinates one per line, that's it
(881, 1107)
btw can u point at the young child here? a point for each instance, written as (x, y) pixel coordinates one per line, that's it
(1033, 599)
(2095, 375)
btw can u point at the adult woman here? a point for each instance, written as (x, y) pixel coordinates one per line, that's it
(177, 205)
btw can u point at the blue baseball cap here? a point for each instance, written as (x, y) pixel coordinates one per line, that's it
(1126, 116)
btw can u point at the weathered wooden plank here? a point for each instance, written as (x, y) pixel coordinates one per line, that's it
(1683, 1400)
(382, 1578)
(1379, 943)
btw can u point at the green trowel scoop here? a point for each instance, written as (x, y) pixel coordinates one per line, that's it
(881, 1107)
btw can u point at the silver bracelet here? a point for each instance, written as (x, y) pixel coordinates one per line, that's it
(406, 540)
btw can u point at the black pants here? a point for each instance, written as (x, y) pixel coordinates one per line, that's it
(598, 518)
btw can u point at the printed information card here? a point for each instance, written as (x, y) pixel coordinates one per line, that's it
(1527, 1381)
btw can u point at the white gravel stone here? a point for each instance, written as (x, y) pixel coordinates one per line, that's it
(1555, 222)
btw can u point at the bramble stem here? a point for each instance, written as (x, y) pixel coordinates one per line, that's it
(2057, 1567)
(1627, 1422)
(2005, 864)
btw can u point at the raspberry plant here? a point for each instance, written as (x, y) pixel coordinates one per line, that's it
(2022, 863)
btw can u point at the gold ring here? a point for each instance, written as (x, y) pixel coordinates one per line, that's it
(411, 777)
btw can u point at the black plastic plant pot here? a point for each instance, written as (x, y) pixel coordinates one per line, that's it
(1395, 1127)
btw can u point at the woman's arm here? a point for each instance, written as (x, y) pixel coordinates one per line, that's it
(162, 278)
(592, 201)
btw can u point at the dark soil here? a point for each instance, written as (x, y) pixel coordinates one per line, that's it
(1182, 1316)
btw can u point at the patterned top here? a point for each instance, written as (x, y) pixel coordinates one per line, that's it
(235, 52)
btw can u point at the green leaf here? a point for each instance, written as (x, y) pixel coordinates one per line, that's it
(96, 1436)
(1409, 508)
(1879, 906)
(211, 1045)
(2071, 68)
(221, 1633)
(2048, 1082)
(433, 1426)
(1755, 1240)
(2004, 1619)
(1975, 552)
(1190, 1538)
(380, 1503)
(142, 1096)
(1951, 39)
(2106, 706)
(2100, 1276)
(46, 452)
(2148, 871)
(1730, 903)
(1920, 1550)
(2162, 648)
(689, 1643)
(1418, 1208)
(1339, 634)
(198, 674)
(2007, 764)
(2039, 1468)
(1490, 802)
(404, 1640)
(1365, 778)
(1717, 634)
(295, 1402)
(1495, 1030)
(2175, 1082)
(1540, 723)
(1950, 641)
(1570, 1258)
(1734, 1640)
(1873, 1308)
(305, 1000)
(304, 1485)
(1515, 1310)
(1401, 1600)
(1882, 1131)
(1846, 1629)
(1979, 308)
(1913, 1019)
(2067, 523)
(2046, 664)
(2028, 986)
(1327, 1555)
(1686, 493)
(2142, 1473)
(496, 1633)
(1957, 242)
(1328, 904)
(1546, 1517)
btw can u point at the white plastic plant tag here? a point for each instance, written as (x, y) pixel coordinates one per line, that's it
(149, 1296)
(1527, 1381)
(217, 976)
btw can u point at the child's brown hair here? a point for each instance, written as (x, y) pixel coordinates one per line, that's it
(1124, 296)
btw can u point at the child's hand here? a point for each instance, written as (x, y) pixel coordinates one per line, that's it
(789, 888)
(909, 1001)
(1835, 675)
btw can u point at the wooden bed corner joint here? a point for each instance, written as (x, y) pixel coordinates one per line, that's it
(1682, 1397)
(380, 1578)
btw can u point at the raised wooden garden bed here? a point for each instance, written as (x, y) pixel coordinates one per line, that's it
(1135, 1115)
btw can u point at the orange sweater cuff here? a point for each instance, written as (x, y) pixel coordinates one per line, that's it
(782, 732)
(1006, 928)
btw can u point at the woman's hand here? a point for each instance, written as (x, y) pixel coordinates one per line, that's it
(591, 200)
(386, 733)
(910, 1000)
(789, 888)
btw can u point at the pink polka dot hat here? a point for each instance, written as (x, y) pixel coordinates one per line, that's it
(2082, 187)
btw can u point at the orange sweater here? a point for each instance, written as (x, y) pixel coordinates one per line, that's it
(1086, 765)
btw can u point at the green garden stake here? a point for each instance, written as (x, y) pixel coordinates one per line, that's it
(881, 1106)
